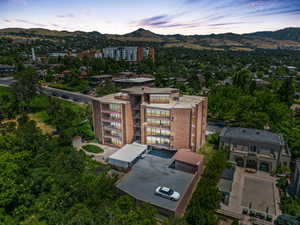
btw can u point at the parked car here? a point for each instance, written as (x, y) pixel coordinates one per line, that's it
(168, 193)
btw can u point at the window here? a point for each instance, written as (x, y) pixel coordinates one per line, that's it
(114, 107)
(156, 98)
(157, 112)
(157, 131)
(157, 140)
(116, 125)
(115, 116)
(253, 148)
(116, 141)
(156, 122)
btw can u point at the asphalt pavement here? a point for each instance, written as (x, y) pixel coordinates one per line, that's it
(74, 96)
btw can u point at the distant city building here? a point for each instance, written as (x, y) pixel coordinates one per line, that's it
(130, 54)
(65, 53)
(159, 117)
(257, 149)
(7, 70)
(90, 54)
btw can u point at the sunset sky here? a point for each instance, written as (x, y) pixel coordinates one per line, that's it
(160, 16)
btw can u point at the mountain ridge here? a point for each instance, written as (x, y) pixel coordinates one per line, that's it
(287, 38)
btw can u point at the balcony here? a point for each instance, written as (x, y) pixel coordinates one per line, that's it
(107, 135)
(107, 111)
(109, 128)
(158, 125)
(158, 116)
(111, 119)
(159, 135)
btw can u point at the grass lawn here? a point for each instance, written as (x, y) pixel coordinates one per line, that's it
(92, 149)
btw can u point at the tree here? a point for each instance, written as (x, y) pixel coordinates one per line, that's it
(26, 85)
(287, 91)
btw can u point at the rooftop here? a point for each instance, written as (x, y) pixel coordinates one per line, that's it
(183, 102)
(101, 76)
(188, 157)
(149, 90)
(149, 173)
(129, 152)
(253, 135)
(111, 99)
(135, 80)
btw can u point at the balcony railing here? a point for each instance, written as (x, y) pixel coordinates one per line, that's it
(112, 136)
(110, 119)
(158, 135)
(165, 117)
(109, 127)
(158, 125)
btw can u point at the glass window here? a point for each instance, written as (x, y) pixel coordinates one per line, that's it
(157, 112)
(114, 107)
(158, 140)
(159, 98)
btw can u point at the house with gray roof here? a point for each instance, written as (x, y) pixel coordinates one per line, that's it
(256, 149)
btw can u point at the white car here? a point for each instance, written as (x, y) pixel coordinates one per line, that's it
(168, 193)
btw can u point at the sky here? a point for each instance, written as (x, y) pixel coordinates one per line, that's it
(159, 16)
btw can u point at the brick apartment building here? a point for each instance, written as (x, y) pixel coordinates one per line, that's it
(159, 117)
(130, 53)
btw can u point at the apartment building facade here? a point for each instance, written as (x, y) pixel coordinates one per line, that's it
(130, 53)
(256, 149)
(159, 117)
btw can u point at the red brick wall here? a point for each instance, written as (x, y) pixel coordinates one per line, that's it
(96, 108)
(127, 121)
(180, 128)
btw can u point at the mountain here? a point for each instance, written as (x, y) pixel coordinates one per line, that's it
(292, 34)
(142, 33)
(288, 38)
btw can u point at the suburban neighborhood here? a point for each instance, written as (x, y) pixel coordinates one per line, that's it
(193, 119)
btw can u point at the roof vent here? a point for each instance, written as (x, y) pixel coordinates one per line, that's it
(244, 131)
(257, 132)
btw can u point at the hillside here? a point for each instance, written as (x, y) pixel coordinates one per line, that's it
(288, 38)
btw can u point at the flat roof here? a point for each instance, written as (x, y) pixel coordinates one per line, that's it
(183, 102)
(129, 152)
(188, 157)
(149, 173)
(135, 80)
(149, 90)
(253, 135)
(111, 99)
(102, 76)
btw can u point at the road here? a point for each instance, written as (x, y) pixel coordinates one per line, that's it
(74, 96)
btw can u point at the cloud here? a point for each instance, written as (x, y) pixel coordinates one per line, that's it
(28, 22)
(14, 21)
(168, 21)
(225, 24)
(69, 15)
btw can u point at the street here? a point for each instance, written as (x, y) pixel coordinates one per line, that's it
(74, 96)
